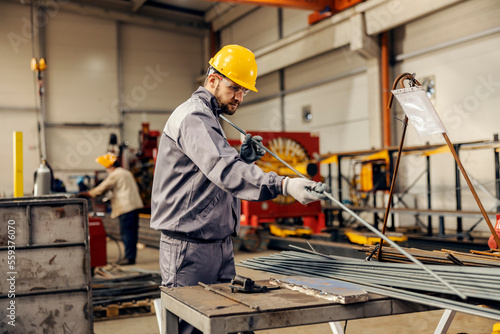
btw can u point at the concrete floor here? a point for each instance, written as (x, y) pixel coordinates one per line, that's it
(424, 322)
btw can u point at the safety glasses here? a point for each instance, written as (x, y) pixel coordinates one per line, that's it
(232, 86)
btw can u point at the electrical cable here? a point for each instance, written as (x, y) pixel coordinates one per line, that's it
(120, 255)
(33, 53)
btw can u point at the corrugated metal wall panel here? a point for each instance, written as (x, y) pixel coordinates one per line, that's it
(323, 67)
(258, 29)
(461, 20)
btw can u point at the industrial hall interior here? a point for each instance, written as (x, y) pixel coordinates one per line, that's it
(250, 166)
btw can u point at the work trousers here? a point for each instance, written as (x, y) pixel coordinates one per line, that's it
(129, 232)
(185, 263)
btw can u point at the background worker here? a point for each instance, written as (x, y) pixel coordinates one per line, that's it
(199, 178)
(125, 202)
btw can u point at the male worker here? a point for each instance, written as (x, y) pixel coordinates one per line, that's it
(199, 178)
(125, 202)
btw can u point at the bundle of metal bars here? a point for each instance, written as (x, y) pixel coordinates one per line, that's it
(445, 256)
(124, 289)
(402, 281)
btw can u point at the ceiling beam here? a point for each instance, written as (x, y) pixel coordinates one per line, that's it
(178, 26)
(224, 14)
(136, 4)
(297, 4)
(143, 13)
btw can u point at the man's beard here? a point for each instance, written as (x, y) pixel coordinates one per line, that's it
(224, 107)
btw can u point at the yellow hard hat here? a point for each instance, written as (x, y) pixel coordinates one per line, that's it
(238, 64)
(107, 160)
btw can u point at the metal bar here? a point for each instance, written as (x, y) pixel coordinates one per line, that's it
(226, 295)
(282, 98)
(471, 187)
(467, 214)
(43, 246)
(330, 184)
(393, 186)
(339, 181)
(445, 322)
(18, 164)
(358, 218)
(497, 173)
(458, 191)
(489, 280)
(303, 267)
(429, 198)
(157, 112)
(433, 301)
(47, 292)
(393, 244)
(81, 125)
(119, 75)
(42, 38)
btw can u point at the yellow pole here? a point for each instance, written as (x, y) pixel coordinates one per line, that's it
(18, 164)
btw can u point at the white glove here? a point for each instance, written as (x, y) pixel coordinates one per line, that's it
(304, 191)
(250, 151)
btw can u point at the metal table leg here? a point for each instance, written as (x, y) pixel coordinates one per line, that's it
(336, 328)
(445, 322)
(172, 322)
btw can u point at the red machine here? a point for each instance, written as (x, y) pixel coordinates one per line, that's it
(97, 235)
(143, 164)
(491, 241)
(297, 149)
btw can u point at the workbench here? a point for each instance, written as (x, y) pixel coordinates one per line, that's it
(214, 313)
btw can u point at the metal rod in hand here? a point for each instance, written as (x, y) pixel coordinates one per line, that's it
(209, 288)
(265, 148)
(358, 218)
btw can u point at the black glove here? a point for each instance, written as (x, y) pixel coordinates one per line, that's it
(304, 191)
(250, 151)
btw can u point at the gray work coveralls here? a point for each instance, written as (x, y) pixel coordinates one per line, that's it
(199, 179)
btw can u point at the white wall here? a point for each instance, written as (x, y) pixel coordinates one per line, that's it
(82, 87)
(253, 31)
(17, 96)
(294, 20)
(158, 73)
(83, 82)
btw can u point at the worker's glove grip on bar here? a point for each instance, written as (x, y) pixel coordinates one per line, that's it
(250, 151)
(304, 191)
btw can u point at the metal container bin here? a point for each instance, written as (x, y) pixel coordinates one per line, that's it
(44, 255)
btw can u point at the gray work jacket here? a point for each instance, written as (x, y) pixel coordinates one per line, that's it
(199, 177)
